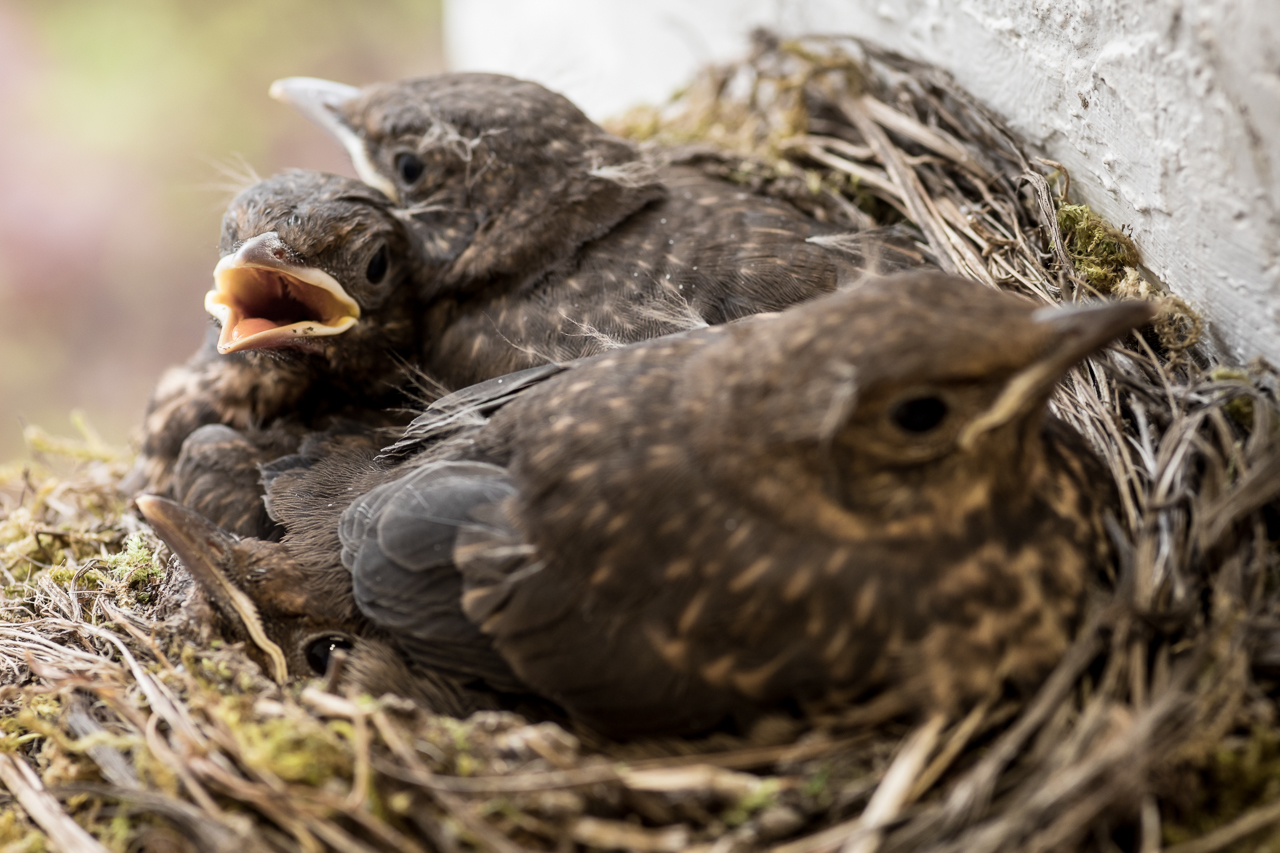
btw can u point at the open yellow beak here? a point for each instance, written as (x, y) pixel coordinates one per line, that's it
(266, 300)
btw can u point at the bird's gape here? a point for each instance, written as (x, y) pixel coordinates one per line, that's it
(275, 300)
(267, 303)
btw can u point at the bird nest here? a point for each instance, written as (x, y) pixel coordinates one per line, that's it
(121, 727)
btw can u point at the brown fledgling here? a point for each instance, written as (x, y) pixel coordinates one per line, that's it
(556, 239)
(527, 235)
(316, 298)
(859, 500)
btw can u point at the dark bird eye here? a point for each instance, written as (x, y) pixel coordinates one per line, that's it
(319, 652)
(410, 167)
(377, 270)
(919, 414)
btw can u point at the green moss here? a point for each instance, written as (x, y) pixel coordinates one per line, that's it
(464, 765)
(765, 795)
(117, 833)
(296, 748)
(18, 836)
(218, 671)
(459, 732)
(1239, 409)
(1241, 774)
(400, 803)
(136, 564)
(1101, 253)
(66, 576)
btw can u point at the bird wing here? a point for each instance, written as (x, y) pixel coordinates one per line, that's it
(469, 406)
(878, 251)
(398, 542)
(217, 475)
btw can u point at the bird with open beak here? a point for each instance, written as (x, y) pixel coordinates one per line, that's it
(315, 303)
(525, 234)
(556, 239)
(857, 503)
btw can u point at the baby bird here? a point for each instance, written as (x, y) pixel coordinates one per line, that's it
(316, 301)
(527, 235)
(859, 502)
(557, 239)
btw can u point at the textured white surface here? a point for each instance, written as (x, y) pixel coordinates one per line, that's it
(1166, 112)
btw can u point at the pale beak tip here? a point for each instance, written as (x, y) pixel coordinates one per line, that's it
(148, 504)
(278, 90)
(310, 93)
(166, 517)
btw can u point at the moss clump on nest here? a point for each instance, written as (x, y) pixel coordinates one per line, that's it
(1102, 253)
(1147, 733)
(288, 742)
(1178, 327)
(751, 117)
(1108, 261)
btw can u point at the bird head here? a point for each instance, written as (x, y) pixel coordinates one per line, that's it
(295, 615)
(914, 396)
(317, 264)
(503, 175)
(291, 619)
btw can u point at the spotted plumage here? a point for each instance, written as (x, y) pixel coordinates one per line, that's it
(527, 235)
(859, 500)
(557, 239)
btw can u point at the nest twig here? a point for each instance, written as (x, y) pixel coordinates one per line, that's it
(1157, 728)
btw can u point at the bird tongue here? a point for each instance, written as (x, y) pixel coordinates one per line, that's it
(251, 326)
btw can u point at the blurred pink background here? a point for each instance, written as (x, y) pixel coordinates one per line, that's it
(118, 122)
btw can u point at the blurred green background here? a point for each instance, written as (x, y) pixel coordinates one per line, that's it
(122, 126)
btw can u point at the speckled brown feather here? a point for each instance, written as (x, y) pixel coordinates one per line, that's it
(704, 527)
(568, 241)
(698, 529)
(534, 236)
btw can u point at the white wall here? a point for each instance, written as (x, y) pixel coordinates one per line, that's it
(1166, 112)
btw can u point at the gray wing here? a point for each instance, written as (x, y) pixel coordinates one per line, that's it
(398, 542)
(217, 475)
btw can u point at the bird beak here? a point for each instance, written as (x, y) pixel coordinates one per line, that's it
(207, 552)
(1073, 332)
(266, 300)
(322, 101)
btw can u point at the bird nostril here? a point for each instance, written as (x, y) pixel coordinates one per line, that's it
(278, 254)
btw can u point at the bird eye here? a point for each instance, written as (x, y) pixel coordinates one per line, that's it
(377, 270)
(410, 167)
(919, 414)
(319, 651)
